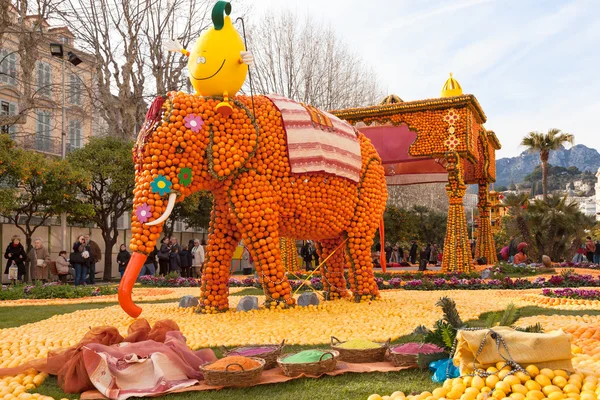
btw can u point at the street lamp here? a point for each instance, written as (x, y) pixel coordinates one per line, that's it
(56, 49)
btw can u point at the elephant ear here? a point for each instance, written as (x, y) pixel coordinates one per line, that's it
(244, 147)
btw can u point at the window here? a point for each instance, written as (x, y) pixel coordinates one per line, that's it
(43, 137)
(8, 67)
(7, 108)
(75, 89)
(75, 138)
(44, 79)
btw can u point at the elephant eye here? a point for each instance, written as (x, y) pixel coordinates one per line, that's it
(200, 60)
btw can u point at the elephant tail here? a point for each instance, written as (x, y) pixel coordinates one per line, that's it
(382, 259)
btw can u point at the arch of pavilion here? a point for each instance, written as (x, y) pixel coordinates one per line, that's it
(438, 140)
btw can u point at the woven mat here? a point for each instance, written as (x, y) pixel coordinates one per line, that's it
(276, 376)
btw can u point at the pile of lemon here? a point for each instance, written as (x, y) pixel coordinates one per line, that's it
(535, 384)
(560, 303)
(16, 387)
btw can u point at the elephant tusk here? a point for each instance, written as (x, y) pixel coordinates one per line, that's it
(163, 218)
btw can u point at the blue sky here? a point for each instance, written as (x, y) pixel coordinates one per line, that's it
(532, 64)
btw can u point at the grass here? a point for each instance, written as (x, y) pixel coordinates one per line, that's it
(344, 387)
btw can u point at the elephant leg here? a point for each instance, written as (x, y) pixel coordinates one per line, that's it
(222, 241)
(332, 268)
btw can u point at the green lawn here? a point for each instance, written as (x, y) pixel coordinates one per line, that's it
(348, 386)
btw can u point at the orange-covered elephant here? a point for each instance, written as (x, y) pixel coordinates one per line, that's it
(243, 159)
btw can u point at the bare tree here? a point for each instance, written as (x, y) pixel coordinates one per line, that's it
(308, 62)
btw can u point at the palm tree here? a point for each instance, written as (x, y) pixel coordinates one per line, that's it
(537, 142)
(517, 203)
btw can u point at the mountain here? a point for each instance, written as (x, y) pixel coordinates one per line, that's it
(516, 168)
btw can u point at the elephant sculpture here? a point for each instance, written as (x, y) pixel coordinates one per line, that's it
(186, 146)
(239, 149)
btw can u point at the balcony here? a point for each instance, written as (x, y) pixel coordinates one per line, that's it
(44, 144)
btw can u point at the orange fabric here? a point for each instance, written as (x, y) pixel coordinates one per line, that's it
(67, 364)
(519, 258)
(132, 272)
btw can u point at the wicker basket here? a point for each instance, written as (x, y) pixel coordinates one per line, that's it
(360, 355)
(233, 378)
(408, 360)
(270, 356)
(315, 368)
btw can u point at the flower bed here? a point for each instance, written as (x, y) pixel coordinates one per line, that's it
(168, 281)
(569, 293)
(53, 290)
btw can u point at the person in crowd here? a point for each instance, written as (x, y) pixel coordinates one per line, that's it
(62, 266)
(413, 252)
(149, 267)
(191, 244)
(388, 251)
(197, 258)
(512, 248)
(174, 243)
(95, 258)
(186, 261)
(163, 256)
(80, 240)
(175, 260)
(423, 259)
(306, 254)
(15, 255)
(597, 252)
(579, 255)
(428, 251)
(123, 259)
(400, 252)
(80, 263)
(38, 262)
(394, 256)
(521, 256)
(433, 254)
(590, 249)
(315, 253)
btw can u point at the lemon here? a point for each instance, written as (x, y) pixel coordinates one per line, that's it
(397, 395)
(491, 370)
(439, 392)
(518, 388)
(477, 382)
(543, 380)
(453, 394)
(374, 397)
(503, 386)
(512, 380)
(570, 388)
(556, 396)
(491, 381)
(548, 372)
(498, 394)
(517, 396)
(503, 373)
(522, 376)
(573, 396)
(472, 391)
(533, 385)
(532, 370)
(550, 389)
(535, 394)
(559, 381)
(561, 372)
(588, 386)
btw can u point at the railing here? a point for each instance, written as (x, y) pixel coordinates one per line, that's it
(45, 144)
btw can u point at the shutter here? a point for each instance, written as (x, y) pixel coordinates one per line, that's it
(12, 110)
(48, 79)
(40, 80)
(3, 66)
(12, 68)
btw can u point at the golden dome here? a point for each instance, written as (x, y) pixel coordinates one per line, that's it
(451, 88)
(391, 99)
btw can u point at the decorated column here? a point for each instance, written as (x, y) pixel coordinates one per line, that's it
(485, 239)
(457, 255)
(289, 254)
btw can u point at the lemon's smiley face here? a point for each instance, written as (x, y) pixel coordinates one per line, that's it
(214, 63)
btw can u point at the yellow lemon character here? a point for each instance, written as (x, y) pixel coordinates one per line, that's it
(218, 62)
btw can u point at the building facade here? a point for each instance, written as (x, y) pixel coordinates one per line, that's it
(34, 120)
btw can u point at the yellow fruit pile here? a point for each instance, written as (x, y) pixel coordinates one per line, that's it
(534, 385)
(140, 294)
(16, 387)
(560, 303)
(586, 338)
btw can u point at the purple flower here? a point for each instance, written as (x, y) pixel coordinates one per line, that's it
(395, 282)
(193, 122)
(142, 212)
(414, 283)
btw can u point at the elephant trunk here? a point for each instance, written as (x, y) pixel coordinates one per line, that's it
(126, 286)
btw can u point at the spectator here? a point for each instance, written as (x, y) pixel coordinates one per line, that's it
(80, 263)
(197, 258)
(62, 266)
(315, 253)
(123, 259)
(191, 244)
(38, 262)
(512, 248)
(423, 259)
(174, 243)
(96, 256)
(400, 253)
(521, 256)
(306, 254)
(590, 249)
(579, 255)
(394, 257)
(428, 251)
(174, 260)
(433, 256)
(388, 251)
(80, 240)
(597, 253)
(149, 267)
(413, 252)
(16, 255)
(163, 257)
(186, 261)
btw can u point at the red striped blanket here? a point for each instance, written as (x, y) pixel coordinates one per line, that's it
(318, 141)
